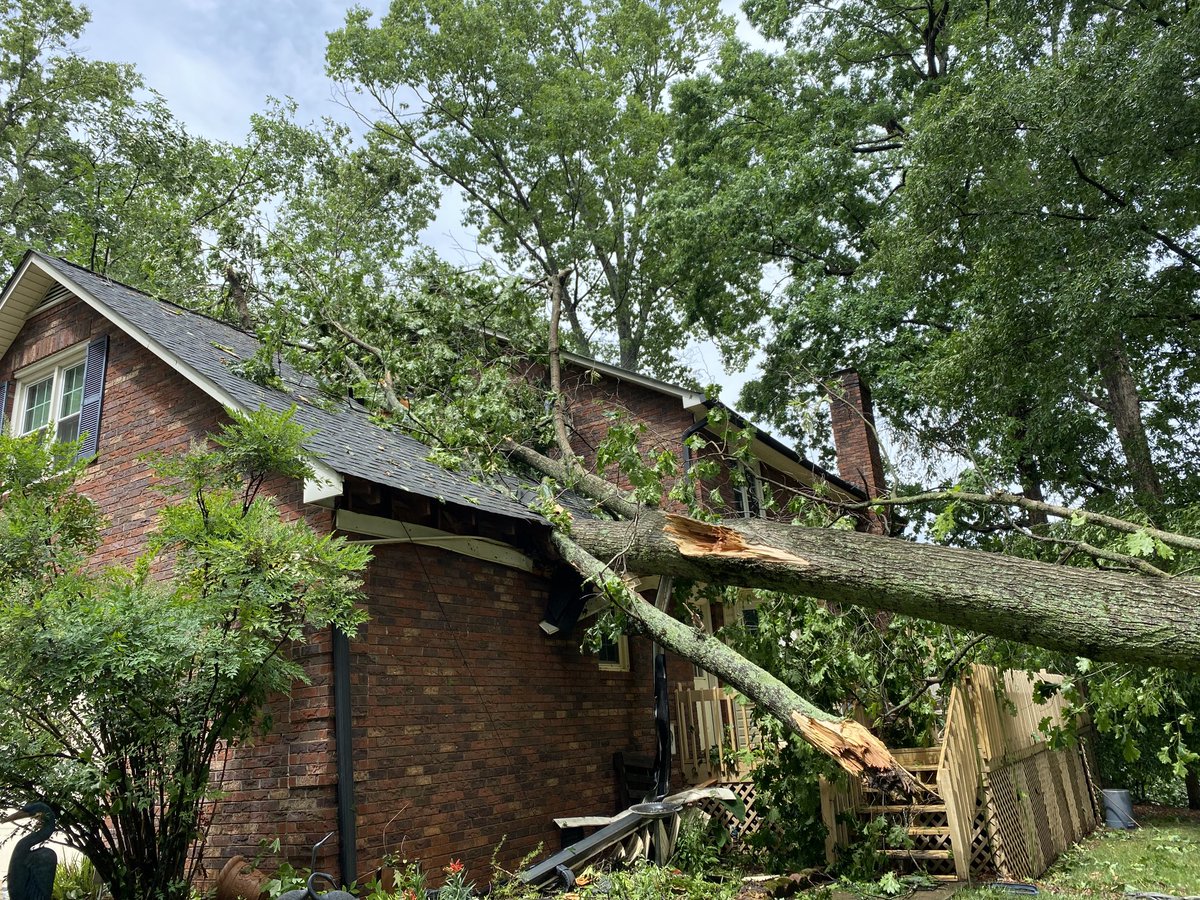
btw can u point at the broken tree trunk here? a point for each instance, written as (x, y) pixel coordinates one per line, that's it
(845, 741)
(1086, 612)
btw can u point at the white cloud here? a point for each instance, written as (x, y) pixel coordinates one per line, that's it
(217, 60)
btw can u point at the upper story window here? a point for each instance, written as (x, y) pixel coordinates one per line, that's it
(62, 395)
(748, 496)
(52, 399)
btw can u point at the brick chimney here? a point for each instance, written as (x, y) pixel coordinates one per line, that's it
(854, 438)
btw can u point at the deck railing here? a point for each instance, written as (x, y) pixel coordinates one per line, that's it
(715, 734)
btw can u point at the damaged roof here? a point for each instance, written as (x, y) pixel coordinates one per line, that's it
(344, 436)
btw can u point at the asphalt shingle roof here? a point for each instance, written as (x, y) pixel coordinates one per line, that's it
(345, 438)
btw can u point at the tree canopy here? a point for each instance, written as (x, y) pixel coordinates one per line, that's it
(989, 210)
(553, 120)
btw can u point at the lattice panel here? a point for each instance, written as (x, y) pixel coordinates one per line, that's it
(982, 858)
(1004, 824)
(1092, 770)
(739, 829)
(1035, 789)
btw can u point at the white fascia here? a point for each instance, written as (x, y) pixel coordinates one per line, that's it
(320, 489)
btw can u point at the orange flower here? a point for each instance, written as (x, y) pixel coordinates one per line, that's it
(455, 867)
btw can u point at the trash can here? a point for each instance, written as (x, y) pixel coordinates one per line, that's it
(1118, 809)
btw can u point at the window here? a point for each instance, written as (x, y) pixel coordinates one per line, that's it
(614, 655)
(54, 401)
(748, 496)
(61, 395)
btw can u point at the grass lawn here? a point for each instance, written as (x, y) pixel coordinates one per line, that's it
(1162, 856)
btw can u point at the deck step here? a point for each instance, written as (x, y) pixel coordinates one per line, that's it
(928, 830)
(918, 854)
(904, 807)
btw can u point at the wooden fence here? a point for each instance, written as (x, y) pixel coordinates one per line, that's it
(1004, 800)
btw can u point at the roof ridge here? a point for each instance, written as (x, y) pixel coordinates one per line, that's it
(187, 309)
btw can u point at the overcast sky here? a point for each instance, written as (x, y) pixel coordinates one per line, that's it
(216, 62)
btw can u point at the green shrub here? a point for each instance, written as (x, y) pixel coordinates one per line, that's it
(76, 879)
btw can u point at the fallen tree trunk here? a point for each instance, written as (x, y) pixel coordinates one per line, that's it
(1086, 612)
(847, 742)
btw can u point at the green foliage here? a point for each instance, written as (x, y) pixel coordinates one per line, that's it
(645, 881)
(455, 885)
(286, 878)
(930, 210)
(698, 844)
(506, 885)
(552, 120)
(76, 879)
(95, 168)
(788, 797)
(117, 687)
(881, 663)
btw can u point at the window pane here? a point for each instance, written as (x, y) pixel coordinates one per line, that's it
(68, 429)
(37, 406)
(610, 651)
(72, 392)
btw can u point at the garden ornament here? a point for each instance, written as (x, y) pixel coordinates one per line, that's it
(31, 869)
(309, 891)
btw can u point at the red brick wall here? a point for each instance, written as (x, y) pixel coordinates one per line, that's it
(150, 407)
(470, 724)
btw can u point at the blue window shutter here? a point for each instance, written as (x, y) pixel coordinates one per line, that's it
(3, 402)
(93, 393)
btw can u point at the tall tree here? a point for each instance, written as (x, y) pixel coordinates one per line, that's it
(985, 208)
(552, 119)
(94, 167)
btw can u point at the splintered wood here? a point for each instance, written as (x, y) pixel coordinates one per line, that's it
(695, 538)
(857, 751)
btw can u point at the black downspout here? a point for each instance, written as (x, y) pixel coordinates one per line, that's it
(686, 452)
(662, 728)
(343, 740)
(662, 703)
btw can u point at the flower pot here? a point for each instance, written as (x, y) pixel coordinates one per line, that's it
(239, 880)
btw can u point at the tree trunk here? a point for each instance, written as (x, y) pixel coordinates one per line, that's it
(1085, 612)
(845, 741)
(1191, 781)
(1125, 411)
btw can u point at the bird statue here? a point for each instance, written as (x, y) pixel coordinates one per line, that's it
(31, 869)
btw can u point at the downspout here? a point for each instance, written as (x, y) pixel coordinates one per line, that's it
(686, 451)
(662, 704)
(343, 740)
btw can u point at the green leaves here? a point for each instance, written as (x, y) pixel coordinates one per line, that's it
(962, 202)
(117, 687)
(552, 120)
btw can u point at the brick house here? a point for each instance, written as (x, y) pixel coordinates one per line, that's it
(452, 720)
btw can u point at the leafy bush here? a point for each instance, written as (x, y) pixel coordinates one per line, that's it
(698, 846)
(76, 879)
(646, 881)
(119, 688)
